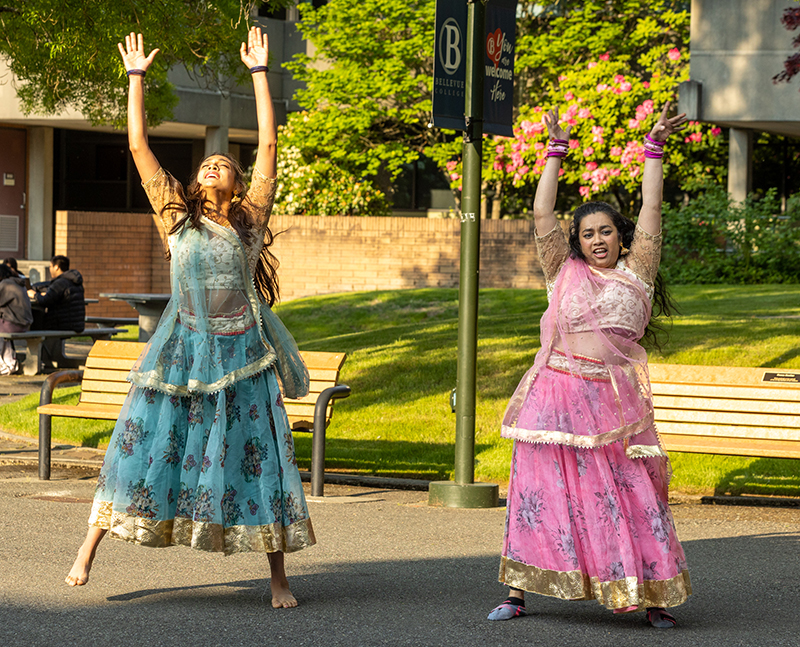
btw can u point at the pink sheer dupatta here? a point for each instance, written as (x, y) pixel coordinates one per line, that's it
(589, 385)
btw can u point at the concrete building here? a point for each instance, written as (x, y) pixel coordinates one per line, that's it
(737, 47)
(61, 162)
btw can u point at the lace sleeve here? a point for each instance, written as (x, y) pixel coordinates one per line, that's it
(260, 197)
(553, 251)
(645, 255)
(160, 193)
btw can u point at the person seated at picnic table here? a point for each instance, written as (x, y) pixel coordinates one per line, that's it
(62, 297)
(15, 316)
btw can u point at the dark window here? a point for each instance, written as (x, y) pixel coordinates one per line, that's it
(421, 185)
(266, 11)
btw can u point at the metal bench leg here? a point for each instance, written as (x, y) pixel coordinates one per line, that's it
(318, 440)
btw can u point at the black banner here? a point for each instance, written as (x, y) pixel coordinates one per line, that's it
(449, 69)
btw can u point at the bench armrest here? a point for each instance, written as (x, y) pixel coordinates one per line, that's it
(46, 397)
(318, 441)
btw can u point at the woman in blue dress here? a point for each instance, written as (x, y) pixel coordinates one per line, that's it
(202, 453)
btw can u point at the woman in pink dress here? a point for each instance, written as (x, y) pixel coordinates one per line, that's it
(588, 514)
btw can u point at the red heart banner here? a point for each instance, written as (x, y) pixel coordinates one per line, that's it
(494, 46)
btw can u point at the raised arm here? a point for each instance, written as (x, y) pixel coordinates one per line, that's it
(134, 58)
(544, 201)
(653, 176)
(255, 54)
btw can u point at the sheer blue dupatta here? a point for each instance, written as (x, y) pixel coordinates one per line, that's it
(291, 369)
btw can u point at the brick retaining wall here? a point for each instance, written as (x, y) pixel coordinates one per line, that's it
(122, 252)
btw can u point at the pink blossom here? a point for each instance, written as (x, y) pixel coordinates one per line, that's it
(634, 152)
(625, 87)
(456, 176)
(591, 166)
(538, 109)
(648, 106)
(527, 127)
(591, 65)
(619, 78)
(588, 151)
(585, 113)
(540, 162)
(516, 159)
(498, 166)
(633, 123)
(509, 168)
(615, 151)
(571, 110)
(646, 84)
(634, 171)
(615, 172)
(715, 132)
(674, 54)
(524, 147)
(538, 128)
(619, 131)
(451, 165)
(605, 57)
(617, 90)
(569, 96)
(561, 172)
(538, 146)
(586, 176)
(562, 78)
(693, 123)
(573, 144)
(602, 87)
(695, 137)
(499, 149)
(598, 139)
(584, 191)
(570, 121)
(523, 171)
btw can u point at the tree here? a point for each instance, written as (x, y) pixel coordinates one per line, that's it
(609, 66)
(64, 52)
(366, 100)
(791, 66)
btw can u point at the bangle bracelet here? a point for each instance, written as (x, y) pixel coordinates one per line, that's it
(653, 141)
(259, 68)
(136, 73)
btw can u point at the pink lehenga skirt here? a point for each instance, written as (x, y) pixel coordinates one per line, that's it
(589, 523)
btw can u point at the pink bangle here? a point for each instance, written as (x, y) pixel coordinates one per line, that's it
(653, 141)
(557, 148)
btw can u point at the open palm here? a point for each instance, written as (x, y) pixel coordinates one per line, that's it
(256, 50)
(133, 56)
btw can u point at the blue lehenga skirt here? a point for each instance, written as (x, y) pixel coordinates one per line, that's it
(214, 471)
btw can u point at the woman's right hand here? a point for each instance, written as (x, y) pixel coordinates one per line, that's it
(554, 130)
(133, 56)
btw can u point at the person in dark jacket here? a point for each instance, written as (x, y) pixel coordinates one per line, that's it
(62, 297)
(15, 316)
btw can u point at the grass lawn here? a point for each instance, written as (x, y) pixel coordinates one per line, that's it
(401, 365)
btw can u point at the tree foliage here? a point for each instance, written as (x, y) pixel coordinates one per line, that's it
(609, 66)
(367, 91)
(64, 52)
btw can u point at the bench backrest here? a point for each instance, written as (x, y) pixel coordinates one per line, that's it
(109, 362)
(727, 410)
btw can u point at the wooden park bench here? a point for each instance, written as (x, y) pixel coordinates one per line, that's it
(727, 410)
(35, 342)
(104, 387)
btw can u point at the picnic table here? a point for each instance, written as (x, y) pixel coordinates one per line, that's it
(149, 306)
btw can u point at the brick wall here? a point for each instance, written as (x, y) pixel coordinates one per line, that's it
(322, 254)
(114, 252)
(121, 252)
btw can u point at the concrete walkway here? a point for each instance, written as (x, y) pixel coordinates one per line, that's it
(388, 570)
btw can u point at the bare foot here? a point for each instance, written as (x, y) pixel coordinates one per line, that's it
(79, 574)
(282, 597)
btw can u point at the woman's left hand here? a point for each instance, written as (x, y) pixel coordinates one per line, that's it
(665, 126)
(256, 50)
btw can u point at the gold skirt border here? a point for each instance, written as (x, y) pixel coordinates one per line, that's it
(210, 537)
(575, 585)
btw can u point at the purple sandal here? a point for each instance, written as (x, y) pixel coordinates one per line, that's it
(511, 608)
(659, 618)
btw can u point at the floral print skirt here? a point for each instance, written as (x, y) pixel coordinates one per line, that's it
(216, 472)
(591, 523)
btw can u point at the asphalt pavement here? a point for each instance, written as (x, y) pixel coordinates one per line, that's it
(387, 570)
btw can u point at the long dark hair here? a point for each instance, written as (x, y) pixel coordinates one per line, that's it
(194, 203)
(663, 303)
